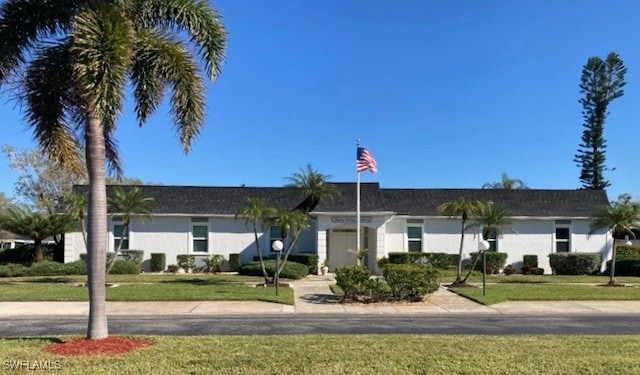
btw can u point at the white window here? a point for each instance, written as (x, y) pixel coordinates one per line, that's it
(563, 239)
(414, 235)
(120, 234)
(491, 236)
(200, 235)
(275, 234)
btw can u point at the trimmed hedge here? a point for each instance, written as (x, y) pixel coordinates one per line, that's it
(45, 268)
(234, 262)
(437, 260)
(411, 281)
(24, 254)
(135, 256)
(158, 262)
(625, 267)
(495, 261)
(353, 280)
(124, 267)
(575, 263)
(308, 259)
(291, 270)
(627, 252)
(530, 260)
(110, 256)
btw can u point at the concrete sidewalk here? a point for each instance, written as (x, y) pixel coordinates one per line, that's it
(313, 296)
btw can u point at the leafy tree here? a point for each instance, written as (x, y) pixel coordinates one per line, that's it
(256, 212)
(311, 185)
(74, 59)
(291, 223)
(465, 209)
(493, 220)
(506, 183)
(34, 225)
(620, 218)
(601, 83)
(127, 203)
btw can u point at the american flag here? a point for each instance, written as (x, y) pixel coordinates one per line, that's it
(365, 161)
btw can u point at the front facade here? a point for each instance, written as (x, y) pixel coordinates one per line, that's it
(202, 221)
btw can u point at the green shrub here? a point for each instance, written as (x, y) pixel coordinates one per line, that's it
(437, 260)
(173, 268)
(509, 270)
(537, 271)
(526, 269)
(13, 270)
(382, 262)
(214, 263)
(124, 267)
(186, 261)
(495, 261)
(575, 263)
(308, 259)
(377, 289)
(353, 280)
(234, 262)
(135, 256)
(158, 262)
(530, 260)
(110, 256)
(625, 267)
(411, 281)
(25, 254)
(627, 252)
(47, 268)
(291, 270)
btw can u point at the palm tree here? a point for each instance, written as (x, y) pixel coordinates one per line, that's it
(311, 185)
(77, 207)
(34, 225)
(506, 183)
(493, 220)
(465, 209)
(291, 223)
(73, 59)
(620, 218)
(127, 203)
(255, 212)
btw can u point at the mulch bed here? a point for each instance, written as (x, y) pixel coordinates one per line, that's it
(109, 346)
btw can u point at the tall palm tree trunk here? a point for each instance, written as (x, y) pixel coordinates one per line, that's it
(264, 269)
(38, 256)
(459, 269)
(97, 225)
(612, 276)
(125, 229)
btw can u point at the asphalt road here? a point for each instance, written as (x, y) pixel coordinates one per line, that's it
(331, 324)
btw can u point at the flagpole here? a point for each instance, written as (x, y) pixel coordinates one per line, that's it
(358, 204)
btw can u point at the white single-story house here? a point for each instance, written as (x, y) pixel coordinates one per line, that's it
(202, 221)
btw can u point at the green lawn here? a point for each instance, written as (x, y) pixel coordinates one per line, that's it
(145, 288)
(502, 292)
(353, 354)
(476, 277)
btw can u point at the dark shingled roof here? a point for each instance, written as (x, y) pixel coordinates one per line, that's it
(204, 200)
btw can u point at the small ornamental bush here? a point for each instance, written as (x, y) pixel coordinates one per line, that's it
(509, 270)
(135, 256)
(495, 261)
(526, 269)
(353, 280)
(437, 260)
(186, 261)
(158, 262)
(627, 252)
(530, 260)
(537, 271)
(110, 256)
(308, 259)
(234, 262)
(214, 263)
(173, 268)
(575, 263)
(25, 254)
(124, 267)
(291, 270)
(411, 281)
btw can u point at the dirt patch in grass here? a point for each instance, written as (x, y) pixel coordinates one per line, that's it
(108, 346)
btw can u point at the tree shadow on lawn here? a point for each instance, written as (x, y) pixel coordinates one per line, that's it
(201, 281)
(53, 340)
(44, 280)
(523, 282)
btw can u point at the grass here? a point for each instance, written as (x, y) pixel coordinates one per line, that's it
(476, 277)
(353, 354)
(502, 292)
(145, 288)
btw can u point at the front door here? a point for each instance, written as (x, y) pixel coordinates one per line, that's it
(340, 242)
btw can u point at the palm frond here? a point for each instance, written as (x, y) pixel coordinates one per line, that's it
(46, 88)
(168, 59)
(101, 45)
(195, 17)
(23, 22)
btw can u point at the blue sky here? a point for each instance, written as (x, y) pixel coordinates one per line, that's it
(444, 94)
